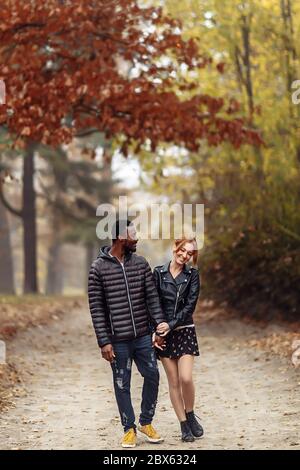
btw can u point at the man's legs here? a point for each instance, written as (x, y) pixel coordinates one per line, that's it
(145, 359)
(121, 368)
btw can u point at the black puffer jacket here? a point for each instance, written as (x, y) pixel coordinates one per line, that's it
(178, 299)
(123, 301)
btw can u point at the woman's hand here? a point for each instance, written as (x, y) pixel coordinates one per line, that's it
(158, 342)
(163, 329)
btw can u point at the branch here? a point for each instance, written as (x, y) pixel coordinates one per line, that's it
(84, 204)
(289, 232)
(28, 25)
(57, 204)
(87, 132)
(240, 74)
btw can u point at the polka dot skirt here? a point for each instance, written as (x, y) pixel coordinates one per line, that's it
(180, 342)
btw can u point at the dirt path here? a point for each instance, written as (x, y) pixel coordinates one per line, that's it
(246, 400)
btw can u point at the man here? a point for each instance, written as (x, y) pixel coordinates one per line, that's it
(124, 305)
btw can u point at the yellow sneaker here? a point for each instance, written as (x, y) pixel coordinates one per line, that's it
(149, 431)
(129, 438)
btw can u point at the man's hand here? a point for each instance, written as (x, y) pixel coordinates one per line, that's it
(163, 329)
(108, 352)
(158, 342)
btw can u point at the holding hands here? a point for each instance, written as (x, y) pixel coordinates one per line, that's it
(158, 342)
(163, 329)
(158, 338)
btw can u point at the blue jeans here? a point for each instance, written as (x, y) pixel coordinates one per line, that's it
(141, 352)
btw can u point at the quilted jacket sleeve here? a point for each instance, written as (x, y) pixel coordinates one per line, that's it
(98, 307)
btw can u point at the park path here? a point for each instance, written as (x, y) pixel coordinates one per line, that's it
(246, 399)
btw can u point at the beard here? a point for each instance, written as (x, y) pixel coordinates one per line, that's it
(130, 249)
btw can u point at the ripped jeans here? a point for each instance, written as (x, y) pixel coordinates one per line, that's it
(141, 352)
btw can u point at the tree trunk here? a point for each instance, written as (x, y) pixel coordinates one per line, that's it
(245, 30)
(6, 265)
(29, 223)
(54, 283)
(92, 251)
(246, 79)
(290, 54)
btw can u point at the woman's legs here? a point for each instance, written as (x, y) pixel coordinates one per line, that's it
(185, 370)
(171, 369)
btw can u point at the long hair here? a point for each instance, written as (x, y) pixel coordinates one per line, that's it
(180, 242)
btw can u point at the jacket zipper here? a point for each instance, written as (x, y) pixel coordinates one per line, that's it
(129, 300)
(111, 324)
(177, 296)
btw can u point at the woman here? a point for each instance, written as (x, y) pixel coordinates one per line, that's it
(178, 286)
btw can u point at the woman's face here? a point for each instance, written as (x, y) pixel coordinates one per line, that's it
(184, 254)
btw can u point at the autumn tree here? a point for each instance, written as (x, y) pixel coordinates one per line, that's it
(62, 75)
(63, 64)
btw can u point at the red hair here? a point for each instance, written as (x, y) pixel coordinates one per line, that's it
(180, 242)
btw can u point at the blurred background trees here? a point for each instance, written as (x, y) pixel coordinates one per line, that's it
(251, 255)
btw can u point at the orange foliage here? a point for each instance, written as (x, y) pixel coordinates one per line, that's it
(61, 67)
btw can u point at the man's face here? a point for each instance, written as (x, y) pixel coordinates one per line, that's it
(131, 239)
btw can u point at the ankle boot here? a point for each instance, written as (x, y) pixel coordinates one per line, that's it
(186, 433)
(195, 426)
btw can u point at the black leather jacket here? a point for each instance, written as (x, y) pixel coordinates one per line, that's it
(178, 299)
